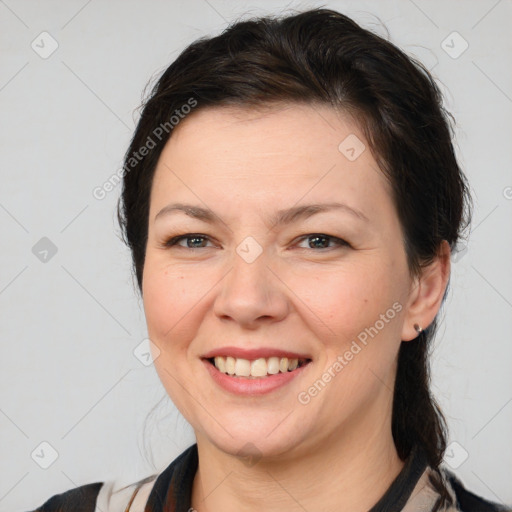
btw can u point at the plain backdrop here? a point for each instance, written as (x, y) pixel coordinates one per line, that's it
(73, 393)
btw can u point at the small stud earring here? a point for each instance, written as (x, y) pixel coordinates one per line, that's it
(418, 328)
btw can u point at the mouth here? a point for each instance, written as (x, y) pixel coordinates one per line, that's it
(260, 368)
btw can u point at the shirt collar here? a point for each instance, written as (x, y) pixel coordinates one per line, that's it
(173, 487)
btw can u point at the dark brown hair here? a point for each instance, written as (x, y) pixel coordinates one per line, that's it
(322, 56)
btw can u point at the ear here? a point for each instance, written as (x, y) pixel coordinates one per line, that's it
(426, 293)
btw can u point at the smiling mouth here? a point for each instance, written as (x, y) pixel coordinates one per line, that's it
(256, 368)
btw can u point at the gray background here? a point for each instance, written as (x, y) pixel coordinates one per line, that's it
(70, 324)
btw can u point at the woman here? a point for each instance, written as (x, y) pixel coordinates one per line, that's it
(291, 199)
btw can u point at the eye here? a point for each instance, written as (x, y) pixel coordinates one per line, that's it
(195, 239)
(323, 240)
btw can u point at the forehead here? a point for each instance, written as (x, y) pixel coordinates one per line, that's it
(272, 156)
(281, 127)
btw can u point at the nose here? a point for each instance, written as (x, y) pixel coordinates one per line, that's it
(251, 293)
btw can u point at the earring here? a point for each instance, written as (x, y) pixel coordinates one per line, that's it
(418, 328)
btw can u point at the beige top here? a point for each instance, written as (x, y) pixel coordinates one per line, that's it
(415, 489)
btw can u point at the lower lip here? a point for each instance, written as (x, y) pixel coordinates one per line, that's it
(258, 386)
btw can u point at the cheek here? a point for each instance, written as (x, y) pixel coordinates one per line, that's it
(360, 322)
(167, 295)
(346, 300)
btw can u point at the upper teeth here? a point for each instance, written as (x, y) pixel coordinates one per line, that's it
(257, 368)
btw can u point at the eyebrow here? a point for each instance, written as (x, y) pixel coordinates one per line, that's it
(282, 217)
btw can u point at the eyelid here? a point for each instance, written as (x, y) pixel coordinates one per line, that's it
(339, 241)
(174, 240)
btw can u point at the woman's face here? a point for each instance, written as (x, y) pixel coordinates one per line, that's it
(330, 287)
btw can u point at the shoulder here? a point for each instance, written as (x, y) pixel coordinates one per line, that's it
(435, 490)
(113, 496)
(81, 499)
(468, 501)
(107, 496)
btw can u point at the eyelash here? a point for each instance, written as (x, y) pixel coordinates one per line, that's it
(174, 240)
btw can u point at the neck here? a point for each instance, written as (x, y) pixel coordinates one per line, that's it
(350, 470)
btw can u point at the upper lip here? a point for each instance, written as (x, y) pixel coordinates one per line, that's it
(254, 353)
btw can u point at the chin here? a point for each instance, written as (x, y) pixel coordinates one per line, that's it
(251, 440)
